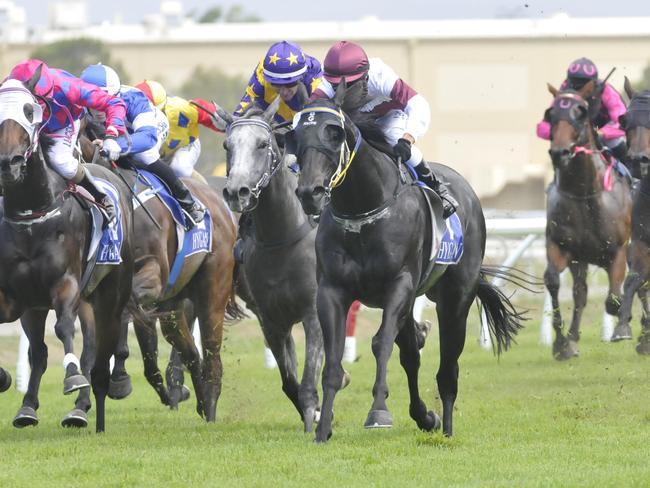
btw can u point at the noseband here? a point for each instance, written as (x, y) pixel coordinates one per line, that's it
(272, 158)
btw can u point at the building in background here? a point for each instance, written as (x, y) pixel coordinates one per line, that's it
(485, 79)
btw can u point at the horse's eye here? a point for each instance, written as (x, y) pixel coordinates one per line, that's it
(263, 145)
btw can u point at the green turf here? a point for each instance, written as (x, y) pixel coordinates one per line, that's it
(522, 420)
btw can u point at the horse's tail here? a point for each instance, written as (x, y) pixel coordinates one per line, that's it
(503, 319)
(234, 312)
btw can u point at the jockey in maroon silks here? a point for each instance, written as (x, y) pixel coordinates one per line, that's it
(402, 113)
(610, 106)
(68, 98)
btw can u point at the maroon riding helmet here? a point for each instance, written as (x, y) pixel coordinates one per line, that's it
(345, 60)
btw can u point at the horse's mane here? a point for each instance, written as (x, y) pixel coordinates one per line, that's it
(252, 111)
(641, 98)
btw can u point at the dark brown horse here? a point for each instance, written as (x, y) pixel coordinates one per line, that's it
(636, 123)
(588, 214)
(45, 237)
(5, 380)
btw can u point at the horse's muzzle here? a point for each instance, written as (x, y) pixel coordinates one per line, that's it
(11, 170)
(312, 198)
(238, 198)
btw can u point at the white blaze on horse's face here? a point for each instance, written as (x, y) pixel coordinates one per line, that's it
(248, 154)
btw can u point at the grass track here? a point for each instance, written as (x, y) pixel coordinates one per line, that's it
(522, 420)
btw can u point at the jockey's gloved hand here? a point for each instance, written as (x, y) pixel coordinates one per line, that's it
(402, 149)
(112, 149)
(111, 131)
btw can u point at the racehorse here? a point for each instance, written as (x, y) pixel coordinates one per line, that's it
(636, 123)
(588, 212)
(279, 261)
(163, 284)
(46, 237)
(5, 380)
(374, 243)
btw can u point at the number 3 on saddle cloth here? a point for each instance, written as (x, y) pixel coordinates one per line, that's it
(447, 238)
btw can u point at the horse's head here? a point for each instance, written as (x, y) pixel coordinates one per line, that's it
(20, 119)
(252, 155)
(571, 129)
(636, 123)
(319, 142)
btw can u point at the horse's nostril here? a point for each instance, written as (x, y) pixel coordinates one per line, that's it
(318, 191)
(244, 191)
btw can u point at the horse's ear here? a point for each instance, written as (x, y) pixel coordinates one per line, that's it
(270, 111)
(587, 90)
(339, 96)
(222, 116)
(301, 94)
(629, 89)
(290, 142)
(552, 90)
(31, 83)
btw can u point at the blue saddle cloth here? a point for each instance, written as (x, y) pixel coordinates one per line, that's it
(109, 250)
(196, 240)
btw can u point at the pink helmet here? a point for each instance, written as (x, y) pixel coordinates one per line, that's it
(25, 70)
(345, 60)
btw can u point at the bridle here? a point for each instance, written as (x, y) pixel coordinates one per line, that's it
(272, 159)
(565, 101)
(345, 156)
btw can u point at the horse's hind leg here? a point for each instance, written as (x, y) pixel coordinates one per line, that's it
(147, 337)
(77, 417)
(33, 323)
(557, 262)
(279, 339)
(120, 385)
(308, 392)
(409, 356)
(579, 273)
(643, 345)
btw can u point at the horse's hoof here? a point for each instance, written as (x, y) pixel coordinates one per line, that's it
(643, 346)
(120, 388)
(185, 394)
(74, 383)
(570, 350)
(5, 380)
(25, 417)
(431, 422)
(75, 418)
(346, 379)
(622, 332)
(378, 419)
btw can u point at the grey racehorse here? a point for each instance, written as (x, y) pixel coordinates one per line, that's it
(279, 261)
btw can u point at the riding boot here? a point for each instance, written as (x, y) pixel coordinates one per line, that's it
(85, 179)
(194, 210)
(449, 203)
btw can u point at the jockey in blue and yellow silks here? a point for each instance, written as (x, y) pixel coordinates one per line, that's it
(283, 66)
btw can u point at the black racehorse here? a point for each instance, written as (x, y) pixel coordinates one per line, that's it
(636, 123)
(45, 237)
(279, 261)
(374, 243)
(588, 219)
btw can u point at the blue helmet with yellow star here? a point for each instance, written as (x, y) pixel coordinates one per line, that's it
(284, 63)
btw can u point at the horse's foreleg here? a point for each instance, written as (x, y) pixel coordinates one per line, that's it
(557, 262)
(308, 392)
(147, 337)
(120, 382)
(33, 323)
(332, 306)
(409, 356)
(643, 346)
(65, 300)
(579, 273)
(278, 337)
(177, 332)
(614, 304)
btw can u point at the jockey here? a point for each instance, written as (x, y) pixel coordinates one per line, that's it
(283, 67)
(69, 96)
(402, 113)
(182, 148)
(610, 105)
(147, 128)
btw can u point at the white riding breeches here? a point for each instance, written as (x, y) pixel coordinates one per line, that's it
(393, 125)
(152, 154)
(185, 158)
(61, 154)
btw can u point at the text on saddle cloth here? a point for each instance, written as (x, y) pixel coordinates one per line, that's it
(110, 245)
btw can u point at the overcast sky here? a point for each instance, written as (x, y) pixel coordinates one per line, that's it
(131, 11)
